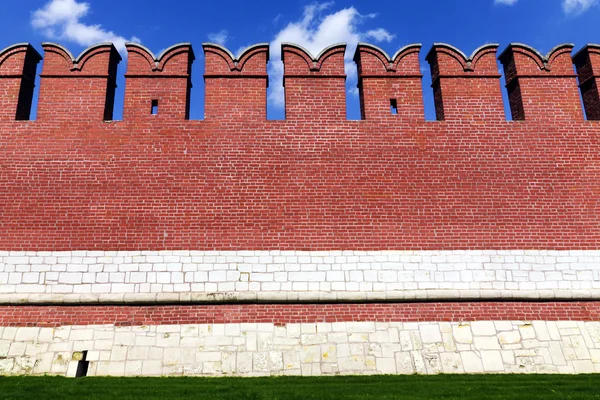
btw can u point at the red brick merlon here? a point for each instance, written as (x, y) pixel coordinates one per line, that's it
(587, 61)
(541, 87)
(386, 83)
(315, 87)
(81, 88)
(236, 87)
(18, 64)
(158, 87)
(466, 87)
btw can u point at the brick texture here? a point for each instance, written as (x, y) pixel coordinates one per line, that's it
(316, 181)
(281, 314)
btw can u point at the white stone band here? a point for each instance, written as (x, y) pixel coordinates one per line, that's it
(205, 276)
(251, 349)
(300, 297)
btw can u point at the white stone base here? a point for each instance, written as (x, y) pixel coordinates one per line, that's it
(252, 349)
(163, 276)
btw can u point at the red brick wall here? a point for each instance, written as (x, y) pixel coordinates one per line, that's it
(282, 314)
(70, 181)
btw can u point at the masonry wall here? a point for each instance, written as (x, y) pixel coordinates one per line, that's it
(314, 245)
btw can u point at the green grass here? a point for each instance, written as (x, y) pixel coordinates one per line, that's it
(522, 387)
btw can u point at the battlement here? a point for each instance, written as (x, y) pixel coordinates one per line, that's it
(236, 87)
(78, 88)
(158, 87)
(587, 61)
(18, 64)
(530, 76)
(466, 88)
(386, 82)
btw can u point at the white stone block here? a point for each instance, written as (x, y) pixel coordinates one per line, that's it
(217, 276)
(261, 277)
(583, 367)
(492, 361)
(151, 368)
(123, 288)
(503, 326)
(509, 337)
(163, 277)
(486, 343)
(138, 277)
(17, 349)
(404, 363)
(387, 276)
(462, 333)
(4, 347)
(386, 366)
(483, 328)
(430, 333)
(27, 334)
(471, 362)
(15, 278)
(14, 260)
(527, 332)
(30, 277)
(307, 276)
(451, 363)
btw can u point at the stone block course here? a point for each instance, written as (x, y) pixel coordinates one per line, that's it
(164, 352)
(347, 275)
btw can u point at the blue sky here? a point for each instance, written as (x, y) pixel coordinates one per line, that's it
(236, 24)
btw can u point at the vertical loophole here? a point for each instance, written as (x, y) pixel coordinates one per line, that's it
(515, 99)
(154, 109)
(393, 106)
(82, 366)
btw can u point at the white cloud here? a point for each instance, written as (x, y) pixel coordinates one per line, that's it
(219, 37)
(570, 7)
(380, 35)
(315, 31)
(61, 19)
(576, 7)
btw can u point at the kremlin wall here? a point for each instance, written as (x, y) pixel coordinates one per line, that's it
(315, 245)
